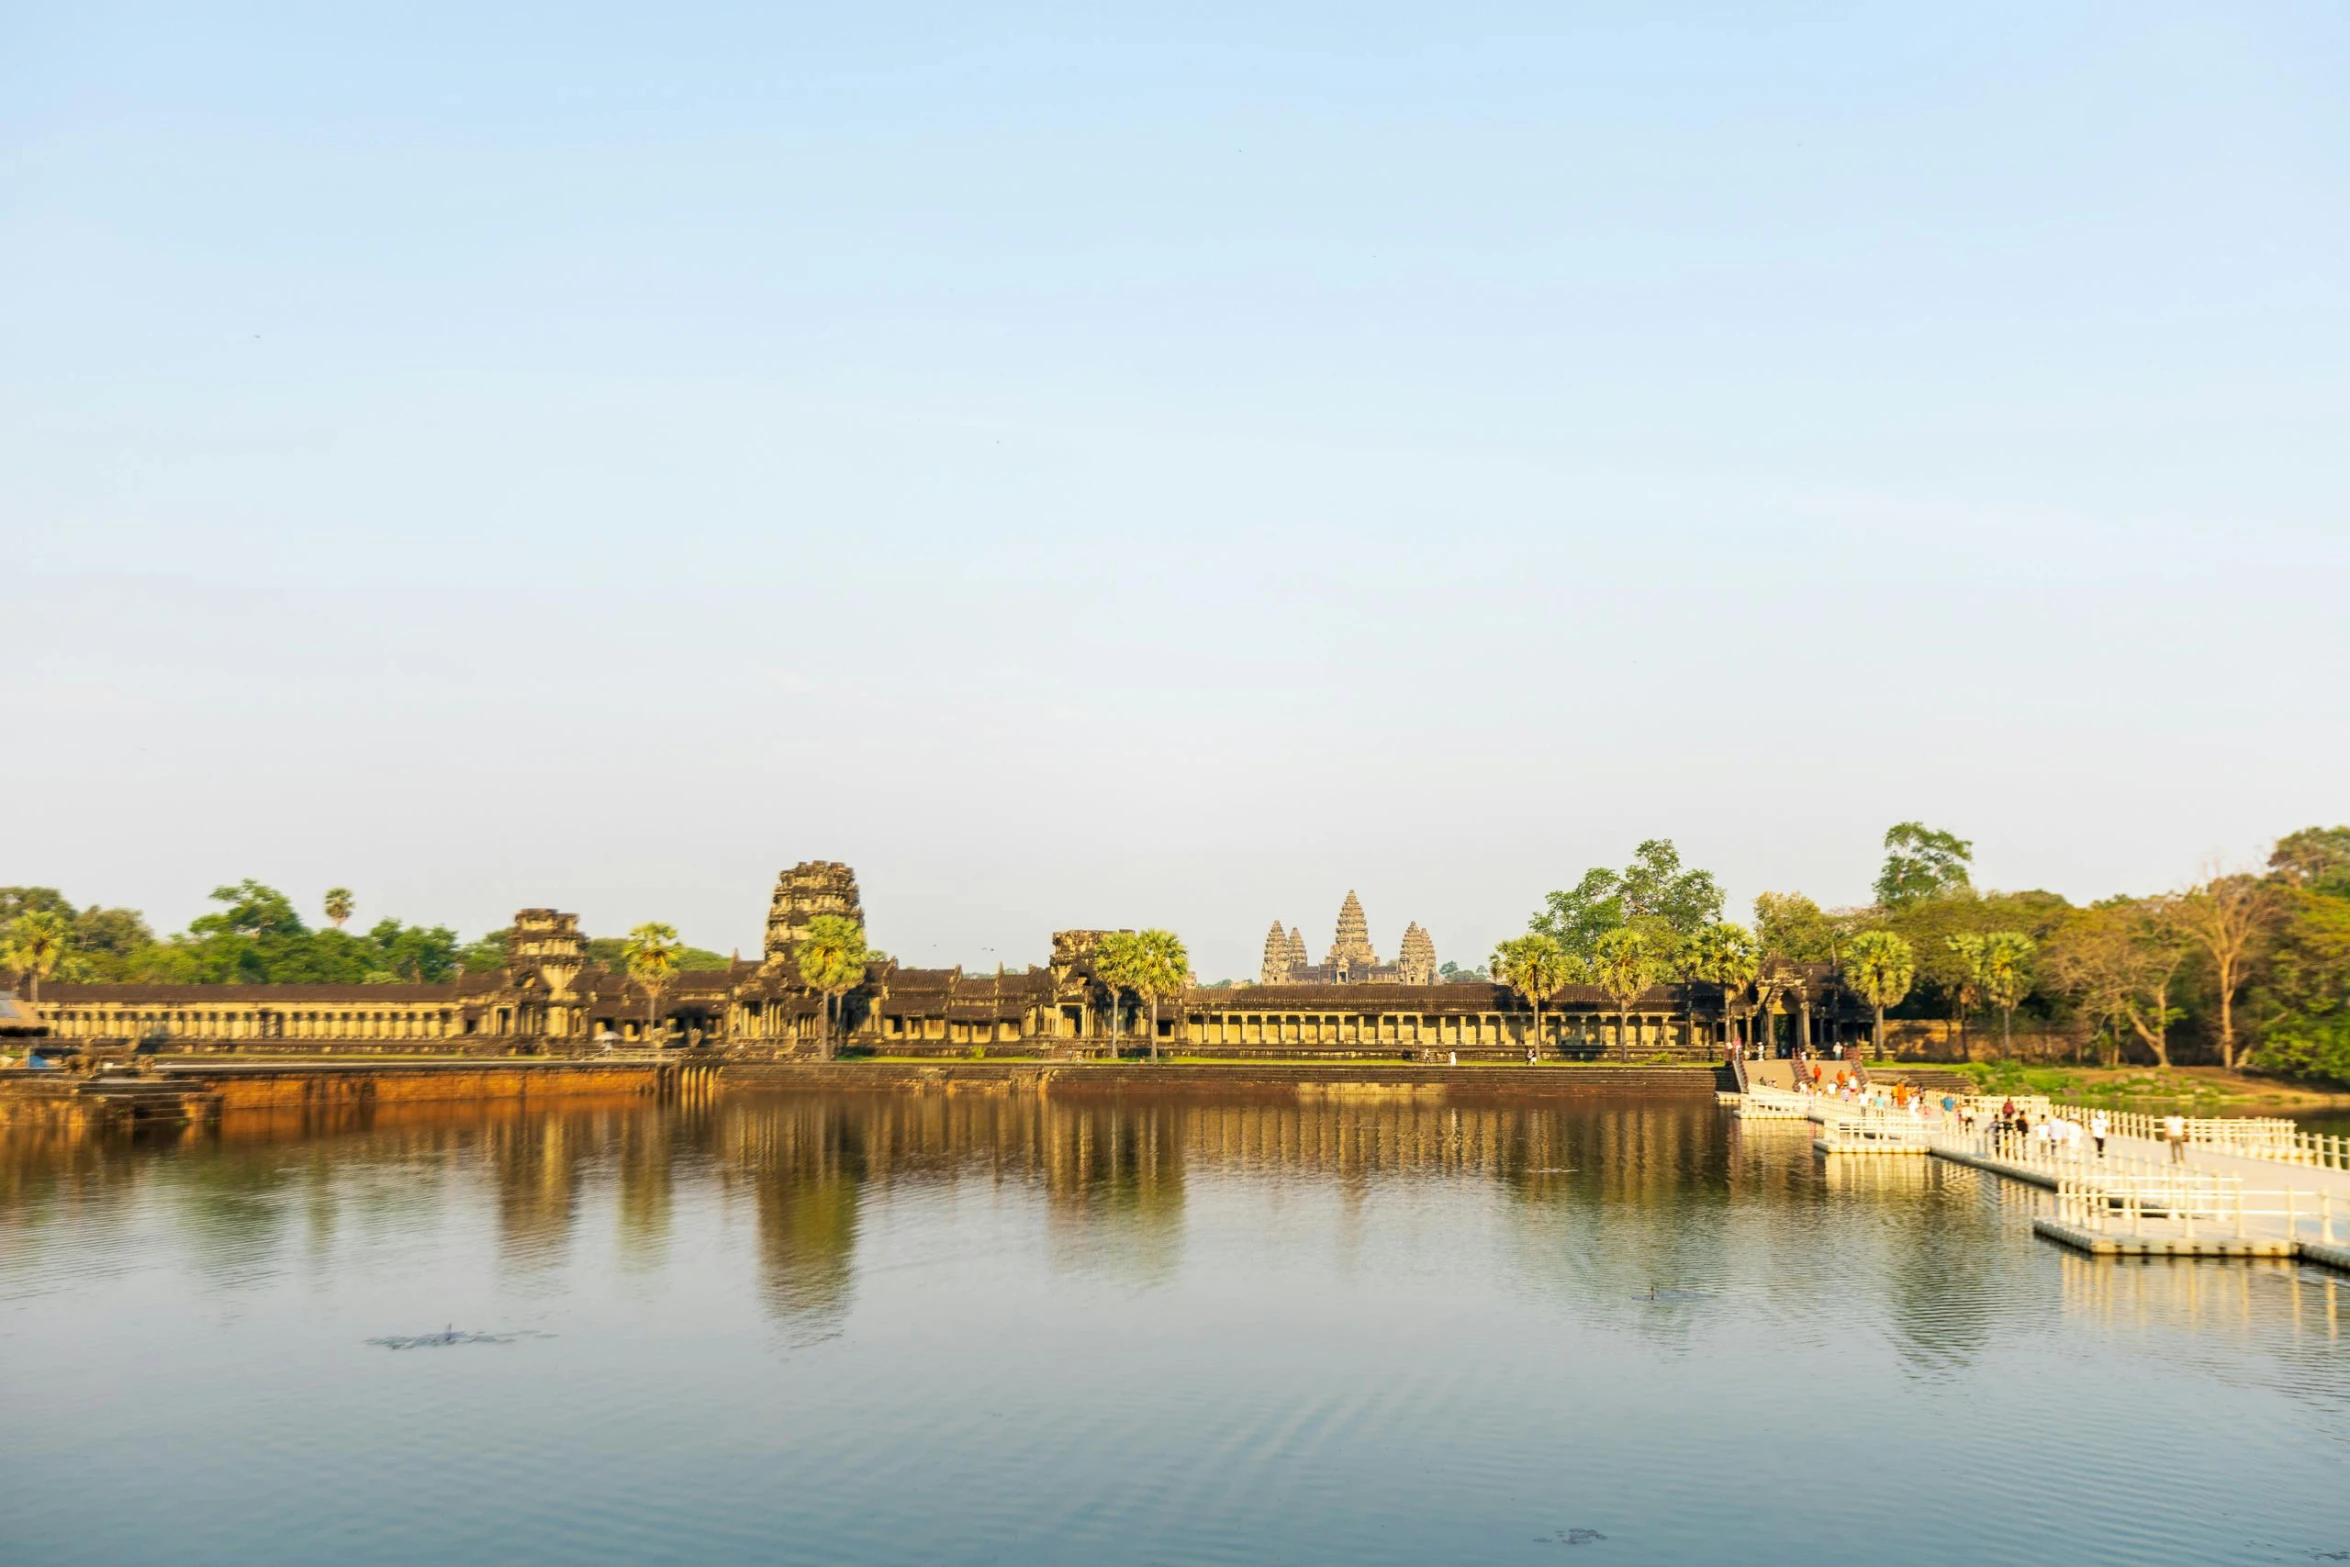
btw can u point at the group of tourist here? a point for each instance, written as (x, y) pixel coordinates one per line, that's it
(2015, 1133)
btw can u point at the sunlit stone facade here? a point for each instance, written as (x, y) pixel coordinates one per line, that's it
(549, 995)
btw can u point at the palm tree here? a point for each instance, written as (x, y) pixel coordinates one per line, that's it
(1971, 953)
(651, 953)
(2007, 978)
(1680, 956)
(1113, 958)
(36, 944)
(1151, 963)
(1625, 964)
(1534, 966)
(833, 960)
(338, 905)
(1725, 957)
(1879, 967)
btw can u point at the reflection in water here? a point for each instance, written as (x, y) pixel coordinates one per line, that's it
(882, 1327)
(1114, 1182)
(1114, 1175)
(805, 1161)
(649, 1148)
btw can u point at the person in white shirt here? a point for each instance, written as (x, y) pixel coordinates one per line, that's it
(2098, 1127)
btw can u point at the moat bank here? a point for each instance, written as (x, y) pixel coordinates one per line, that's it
(198, 1090)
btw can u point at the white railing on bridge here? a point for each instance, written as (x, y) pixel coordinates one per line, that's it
(2051, 1147)
(2250, 1137)
(2105, 1202)
(1773, 1104)
(2108, 1202)
(1882, 1129)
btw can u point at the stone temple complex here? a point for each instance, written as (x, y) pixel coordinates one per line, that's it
(549, 996)
(1351, 959)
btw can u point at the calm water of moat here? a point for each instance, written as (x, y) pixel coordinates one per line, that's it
(832, 1329)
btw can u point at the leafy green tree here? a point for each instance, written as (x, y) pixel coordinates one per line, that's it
(1653, 889)
(1879, 966)
(15, 901)
(2007, 978)
(2120, 960)
(1725, 956)
(1534, 965)
(338, 906)
(1626, 964)
(420, 954)
(652, 962)
(2315, 859)
(1449, 971)
(2232, 919)
(37, 942)
(2303, 996)
(110, 937)
(488, 955)
(253, 910)
(1944, 970)
(1791, 926)
(833, 958)
(1921, 863)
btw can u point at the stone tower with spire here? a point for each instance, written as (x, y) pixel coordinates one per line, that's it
(1278, 961)
(1351, 953)
(1297, 949)
(1417, 958)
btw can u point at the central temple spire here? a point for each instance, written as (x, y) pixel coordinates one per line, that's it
(1352, 950)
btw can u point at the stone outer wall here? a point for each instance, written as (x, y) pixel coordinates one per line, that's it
(321, 1086)
(1938, 1039)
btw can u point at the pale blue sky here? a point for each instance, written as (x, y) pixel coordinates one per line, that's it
(1167, 468)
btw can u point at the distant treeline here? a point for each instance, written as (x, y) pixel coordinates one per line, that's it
(255, 937)
(2243, 967)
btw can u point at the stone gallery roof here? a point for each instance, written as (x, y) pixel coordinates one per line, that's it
(18, 1018)
(280, 995)
(961, 997)
(1455, 997)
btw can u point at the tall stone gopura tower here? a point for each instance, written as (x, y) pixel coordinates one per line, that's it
(808, 889)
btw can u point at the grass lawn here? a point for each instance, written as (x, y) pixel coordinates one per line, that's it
(2108, 1085)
